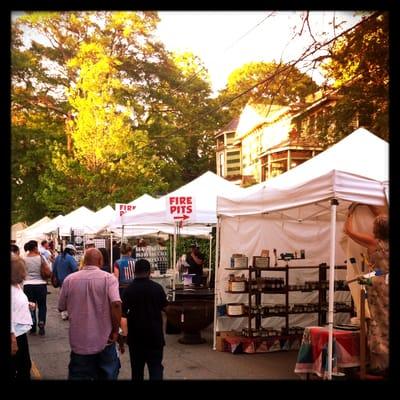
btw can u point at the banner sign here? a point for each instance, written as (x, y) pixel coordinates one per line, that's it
(121, 208)
(180, 208)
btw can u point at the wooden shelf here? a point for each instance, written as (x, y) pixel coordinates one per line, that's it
(236, 269)
(229, 291)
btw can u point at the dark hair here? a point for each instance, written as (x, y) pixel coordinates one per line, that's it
(106, 259)
(15, 249)
(126, 248)
(31, 245)
(43, 242)
(51, 245)
(381, 227)
(142, 266)
(18, 269)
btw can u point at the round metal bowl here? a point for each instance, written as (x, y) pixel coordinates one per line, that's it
(191, 316)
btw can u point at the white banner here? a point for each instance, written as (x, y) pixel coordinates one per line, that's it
(180, 208)
(121, 208)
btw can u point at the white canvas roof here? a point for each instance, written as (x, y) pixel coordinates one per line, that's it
(77, 219)
(30, 233)
(142, 203)
(50, 226)
(353, 170)
(203, 189)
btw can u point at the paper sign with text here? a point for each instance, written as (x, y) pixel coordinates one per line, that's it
(121, 208)
(180, 208)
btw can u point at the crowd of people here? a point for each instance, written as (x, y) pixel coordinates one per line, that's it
(113, 302)
(107, 309)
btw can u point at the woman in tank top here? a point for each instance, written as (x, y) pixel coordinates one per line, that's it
(35, 287)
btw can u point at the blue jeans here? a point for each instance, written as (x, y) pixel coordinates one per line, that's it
(104, 365)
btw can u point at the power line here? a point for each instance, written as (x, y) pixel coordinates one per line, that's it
(273, 75)
(192, 77)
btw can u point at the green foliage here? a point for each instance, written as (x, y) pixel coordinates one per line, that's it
(126, 110)
(359, 68)
(289, 86)
(183, 246)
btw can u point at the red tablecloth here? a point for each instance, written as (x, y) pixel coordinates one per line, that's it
(313, 352)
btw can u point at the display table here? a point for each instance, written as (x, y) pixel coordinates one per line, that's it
(163, 280)
(313, 352)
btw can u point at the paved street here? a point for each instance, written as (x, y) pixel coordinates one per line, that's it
(50, 355)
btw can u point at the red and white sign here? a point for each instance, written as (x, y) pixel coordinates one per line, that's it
(123, 208)
(180, 208)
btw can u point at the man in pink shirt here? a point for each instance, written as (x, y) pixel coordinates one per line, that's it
(91, 297)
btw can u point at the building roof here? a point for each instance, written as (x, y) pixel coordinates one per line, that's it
(229, 127)
(254, 115)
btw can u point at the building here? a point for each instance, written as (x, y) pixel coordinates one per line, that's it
(228, 155)
(271, 139)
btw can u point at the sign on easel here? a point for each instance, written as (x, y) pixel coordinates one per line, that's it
(180, 208)
(121, 208)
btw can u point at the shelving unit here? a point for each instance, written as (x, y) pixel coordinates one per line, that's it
(256, 287)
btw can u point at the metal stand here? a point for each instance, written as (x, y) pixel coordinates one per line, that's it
(363, 336)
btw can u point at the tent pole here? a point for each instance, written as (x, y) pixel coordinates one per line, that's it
(122, 234)
(215, 283)
(174, 263)
(334, 204)
(209, 263)
(111, 252)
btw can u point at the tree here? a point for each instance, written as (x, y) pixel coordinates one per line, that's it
(286, 87)
(358, 66)
(124, 107)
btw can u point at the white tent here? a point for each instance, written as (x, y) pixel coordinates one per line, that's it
(77, 219)
(299, 209)
(19, 226)
(50, 226)
(100, 220)
(30, 233)
(203, 189)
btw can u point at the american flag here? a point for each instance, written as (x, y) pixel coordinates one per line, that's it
(129, 270)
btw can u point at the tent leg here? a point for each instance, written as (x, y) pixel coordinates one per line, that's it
(174, 264)
(209, 263)
(334, 204)
(215, 284)
(111, 252)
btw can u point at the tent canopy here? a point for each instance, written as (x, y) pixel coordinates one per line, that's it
(353, 170)
(203, 189)
(77, 219)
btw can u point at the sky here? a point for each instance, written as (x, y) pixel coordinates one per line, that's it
(225, 40)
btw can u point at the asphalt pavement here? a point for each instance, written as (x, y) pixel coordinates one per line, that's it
(50, 356)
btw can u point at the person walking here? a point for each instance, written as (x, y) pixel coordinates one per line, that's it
(35, 287)
(63, 265)
(21, 323)
(93, 303)
(143, 302)
(106, 259)
(124, 268)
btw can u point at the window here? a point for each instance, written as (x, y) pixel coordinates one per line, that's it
(221, 164)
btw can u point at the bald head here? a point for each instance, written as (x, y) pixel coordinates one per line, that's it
(93, 257)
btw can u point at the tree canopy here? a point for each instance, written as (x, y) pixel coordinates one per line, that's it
(358, 67)
(106, 112)
(287, 85)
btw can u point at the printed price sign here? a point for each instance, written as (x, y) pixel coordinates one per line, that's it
(123, 208)
(180, 208)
